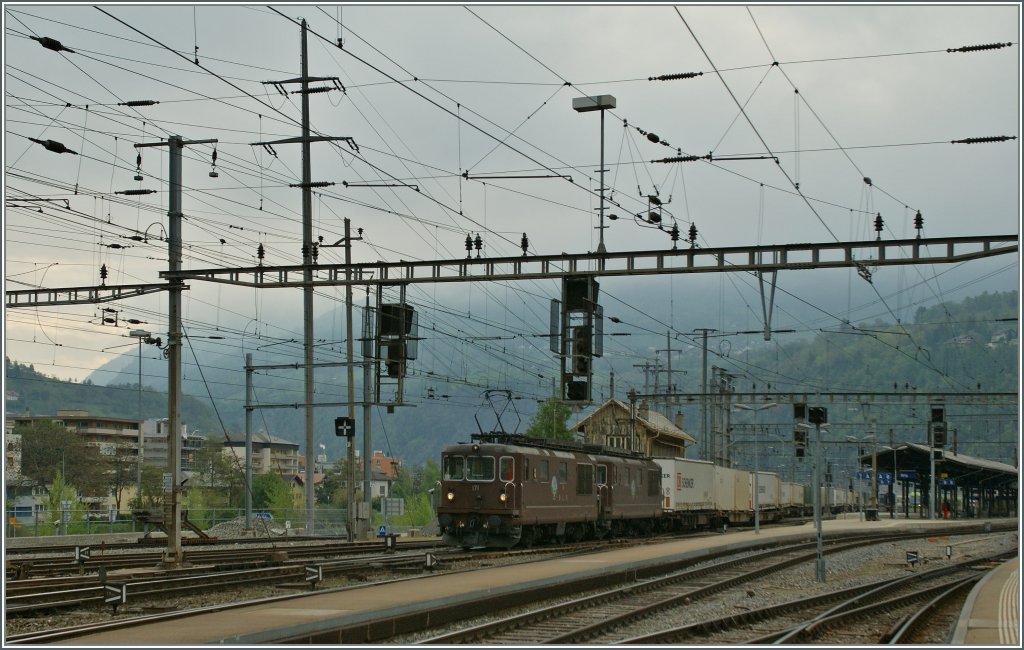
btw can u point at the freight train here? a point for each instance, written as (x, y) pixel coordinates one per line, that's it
(504, 490)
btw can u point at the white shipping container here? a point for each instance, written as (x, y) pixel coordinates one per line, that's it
(687, 484)
(793, 494)
(732, 489)
(768, 490)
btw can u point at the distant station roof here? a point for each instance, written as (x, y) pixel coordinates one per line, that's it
(960, 467)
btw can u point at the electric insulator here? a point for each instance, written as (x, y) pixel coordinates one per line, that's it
(918, 222)
(305, 251)
(674, 233)
(524, 244)
(966, 48)
(54, 146)
(469, 246)
(260, 253)
(994, 138)
(653, 138)
(316, 252)
(103, 271)
(676, 159)
(693, 235)
(478, 243)
(878, 224)
(678, 75)
(53, 44)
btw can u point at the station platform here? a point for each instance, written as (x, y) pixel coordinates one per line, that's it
(991, 614)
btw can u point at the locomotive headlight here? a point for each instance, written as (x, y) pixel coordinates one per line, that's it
(451, 495)
(503, 497)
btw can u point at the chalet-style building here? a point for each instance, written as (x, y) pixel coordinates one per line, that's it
(647, 431)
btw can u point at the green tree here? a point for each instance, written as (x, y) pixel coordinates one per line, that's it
(62, 502)
(47, 447)
(269, 490)
(123, 472)
(550, 421)
(217, 474)
(332, 490)
(152, 486)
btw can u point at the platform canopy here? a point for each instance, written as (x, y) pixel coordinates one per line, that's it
(964, 470)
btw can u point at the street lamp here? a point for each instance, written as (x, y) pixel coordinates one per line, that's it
(757, 408)
(142, 335)
(584, 105)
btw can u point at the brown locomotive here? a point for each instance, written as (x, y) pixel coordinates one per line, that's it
(501, 490)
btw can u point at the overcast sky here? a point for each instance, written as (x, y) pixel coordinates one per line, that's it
(436, 92)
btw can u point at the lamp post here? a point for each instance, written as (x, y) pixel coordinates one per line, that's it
(142, 335)
(584, 105)
(757, 408)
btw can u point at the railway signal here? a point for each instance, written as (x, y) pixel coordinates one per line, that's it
(345, 427)
(115, 595)
(314, 575)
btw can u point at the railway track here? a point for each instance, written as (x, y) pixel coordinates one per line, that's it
(584, 619)
(66, 564)
(871, 614)
(31, 599)
(939, 613)
(157, 542)
(149, 590)
(455, 560)
(31, 596)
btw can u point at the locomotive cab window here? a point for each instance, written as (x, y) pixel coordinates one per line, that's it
(602, 474)
(479, 468)
(653, 483)
(506, 468)
(454, 468)
(563, 472)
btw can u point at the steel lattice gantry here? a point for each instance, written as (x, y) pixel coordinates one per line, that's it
(863, 255)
